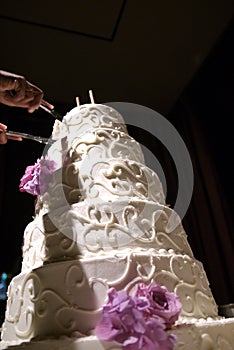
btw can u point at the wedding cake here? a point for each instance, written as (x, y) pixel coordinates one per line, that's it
(104, 250)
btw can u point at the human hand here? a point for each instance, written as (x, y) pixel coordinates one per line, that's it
(16, 91)
(4, 137)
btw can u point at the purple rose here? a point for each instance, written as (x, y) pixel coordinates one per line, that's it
(163, 303)
(37, 177)
(125, 320)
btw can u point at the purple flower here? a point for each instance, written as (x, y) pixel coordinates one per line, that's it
(37, 177)
(154, 338)
(120, 317)
(163, 303)
(47, 168)
(126, 320)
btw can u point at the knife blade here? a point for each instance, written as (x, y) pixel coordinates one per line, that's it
(28, 136)
(47, 107)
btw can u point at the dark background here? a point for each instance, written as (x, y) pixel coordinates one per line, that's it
(153, 70)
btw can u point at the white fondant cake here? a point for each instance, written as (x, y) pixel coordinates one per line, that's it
(103, 223)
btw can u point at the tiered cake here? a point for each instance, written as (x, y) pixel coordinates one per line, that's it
(103, 223)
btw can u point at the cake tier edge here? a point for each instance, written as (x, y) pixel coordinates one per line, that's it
(212, 335)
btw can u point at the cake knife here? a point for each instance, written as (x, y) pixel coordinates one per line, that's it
(28, 136)
(47, 107)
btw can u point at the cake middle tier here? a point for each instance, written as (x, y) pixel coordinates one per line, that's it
(97, 143)
(107, 180)
(90, 228)
(65, 297)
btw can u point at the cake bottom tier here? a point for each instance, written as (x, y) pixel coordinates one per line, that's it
(65, 297)
(202, 335)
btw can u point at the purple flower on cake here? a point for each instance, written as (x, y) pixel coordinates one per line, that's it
(37, 177)
(163, 303)
(131, 321)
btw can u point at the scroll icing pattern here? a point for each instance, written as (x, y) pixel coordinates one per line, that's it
(109, 222)
(19, 314)
(89, 116)
(190, 290)
(82, 308)
(33, 253)
(105, 144)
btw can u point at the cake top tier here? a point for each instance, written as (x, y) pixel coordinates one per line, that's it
(88, 116)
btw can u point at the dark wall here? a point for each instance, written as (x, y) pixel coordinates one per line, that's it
(207, 104)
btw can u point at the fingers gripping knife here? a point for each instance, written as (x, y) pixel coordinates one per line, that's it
(46, 107)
